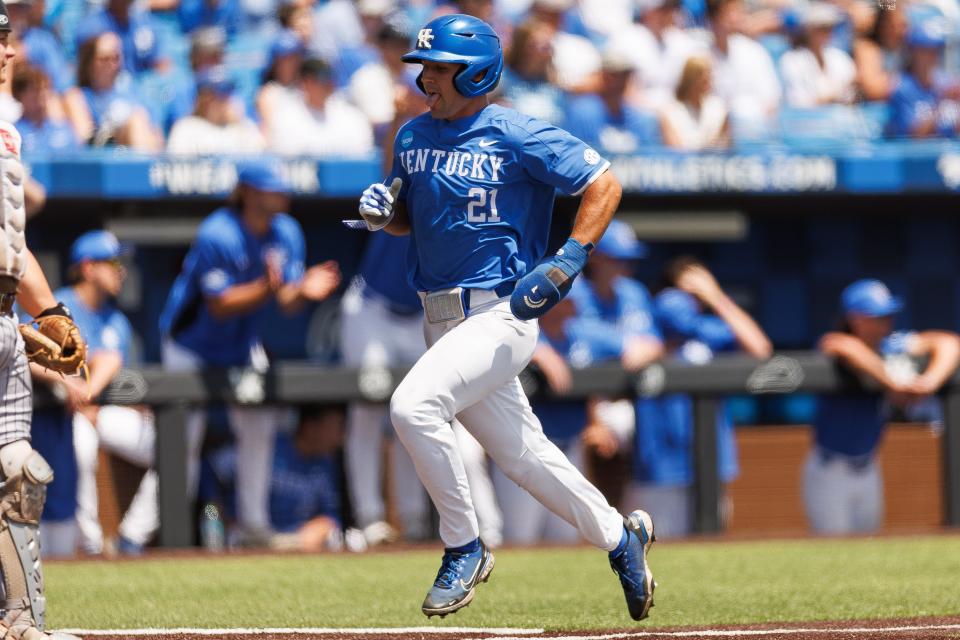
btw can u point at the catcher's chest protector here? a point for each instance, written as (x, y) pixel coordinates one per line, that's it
(13, 217)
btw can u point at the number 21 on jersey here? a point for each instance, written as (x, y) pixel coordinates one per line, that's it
(476, 211)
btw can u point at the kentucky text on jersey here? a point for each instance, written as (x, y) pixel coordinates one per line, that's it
(487, 180)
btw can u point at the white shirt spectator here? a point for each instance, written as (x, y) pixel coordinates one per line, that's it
(339, 129)
(746, 79)
(697, 129)
(658, 62)
(195, 136)
(807, 84)
(372, 88)
(575, 59)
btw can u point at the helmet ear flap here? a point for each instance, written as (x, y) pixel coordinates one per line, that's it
(420, 82)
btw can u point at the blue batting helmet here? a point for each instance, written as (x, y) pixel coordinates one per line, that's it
(465, 40)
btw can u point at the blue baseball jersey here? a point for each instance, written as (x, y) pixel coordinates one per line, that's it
(852, 423)
(629, 311)
(225, 254)
(664, 438)
(628, 131)
(301, 487)
(383, 269)
(479, 192)
(104, 329)
(584, 342)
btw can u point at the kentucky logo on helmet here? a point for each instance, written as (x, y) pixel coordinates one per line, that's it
(424, 38)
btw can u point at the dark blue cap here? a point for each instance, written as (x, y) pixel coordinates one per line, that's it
(95, 245)
(285, 44)
(216, 79)
(263, 175)
(870, 298)
(621, 243)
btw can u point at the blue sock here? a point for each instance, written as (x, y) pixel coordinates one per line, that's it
(471, 547)
(622, 545)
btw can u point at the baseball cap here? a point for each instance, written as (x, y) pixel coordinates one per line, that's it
(216, 79)
(95, 245)
(928, 33)
(286, 43)
(262, 175)
(870, 298)
(621, 243)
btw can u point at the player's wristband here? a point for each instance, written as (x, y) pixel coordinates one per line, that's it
(572, 257)
(59, 310)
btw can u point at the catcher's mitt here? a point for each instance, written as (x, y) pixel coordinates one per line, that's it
(55, 343)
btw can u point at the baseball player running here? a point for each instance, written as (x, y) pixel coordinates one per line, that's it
(473, 184)
(25, 473)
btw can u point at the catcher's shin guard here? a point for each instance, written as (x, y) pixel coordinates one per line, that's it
(22, 495)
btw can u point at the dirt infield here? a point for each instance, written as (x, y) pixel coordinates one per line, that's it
(907, 629)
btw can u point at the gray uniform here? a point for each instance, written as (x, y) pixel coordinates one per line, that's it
(16, 389)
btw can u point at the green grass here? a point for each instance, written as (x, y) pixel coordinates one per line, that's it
(699, 584)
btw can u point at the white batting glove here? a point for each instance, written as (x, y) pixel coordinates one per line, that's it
(376, 204)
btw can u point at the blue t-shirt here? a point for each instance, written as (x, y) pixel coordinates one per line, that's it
(587, 117)
(852, 423)
(225, 254)
(584, 342)
(629, 311)
(664, 439)
(479, 192)
(51, 135)
(911, 104)
(138, 37)
(113, 106)
(104, 329)
(44, 52)
(301, 487)
(540, 99)
(383, 268)
(194, 14)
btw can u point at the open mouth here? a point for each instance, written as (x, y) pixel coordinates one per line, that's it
(432, 98)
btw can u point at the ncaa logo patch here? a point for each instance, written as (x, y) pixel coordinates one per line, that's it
(590, 156)
(407, 139)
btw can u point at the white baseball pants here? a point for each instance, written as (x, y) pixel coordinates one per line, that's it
(840, 499)
(470, 373)
(130, 434)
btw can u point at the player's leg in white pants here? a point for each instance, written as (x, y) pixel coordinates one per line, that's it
(470, 372)
(255, 429)
(489, 518)
(867, 510)
(176, 358)
(131, 434)
(86, 444)
(828, 490)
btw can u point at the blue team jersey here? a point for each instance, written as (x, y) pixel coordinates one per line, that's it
(104, 329)
(663, 451)
(383, 270)
(225, 254)
(584, 342)
(852, 423)
(629, 311)
(626, 132)
(50, 135)
(912, 104)
(479, 192)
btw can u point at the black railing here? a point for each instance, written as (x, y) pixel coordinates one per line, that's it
(172, 394)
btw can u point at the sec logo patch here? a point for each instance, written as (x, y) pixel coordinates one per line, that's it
(590, 156)
(407, 139)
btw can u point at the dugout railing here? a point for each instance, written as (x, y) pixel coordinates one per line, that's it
(172, 394)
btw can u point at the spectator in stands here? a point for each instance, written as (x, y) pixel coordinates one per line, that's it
(198, 14)
(373, 85)
(658, 49)
(528, 83)
(305, 494)
(134, 28)
(324, 123)
(97, 276)
(576, 60)
(815, 73)
(101, 112)
(879, 56)
(697, 319)
(842, 483)
(247, 255)
(924, 104)
(214, 128)
(297, 18)
(353, 55)
(41, 48)
(487, 10)
(696, 118)
(279, 89)
(39, 132)
(606, 120)
(743, 72)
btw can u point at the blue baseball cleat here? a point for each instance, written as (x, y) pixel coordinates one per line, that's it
(459, 575)
(629, 562)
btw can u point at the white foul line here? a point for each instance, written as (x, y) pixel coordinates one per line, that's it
(738, 633)
(497, 632)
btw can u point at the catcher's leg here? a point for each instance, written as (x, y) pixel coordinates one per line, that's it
(26, 476)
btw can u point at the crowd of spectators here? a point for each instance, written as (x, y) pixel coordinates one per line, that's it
(315, 77)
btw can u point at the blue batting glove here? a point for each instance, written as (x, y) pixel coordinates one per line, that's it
(541, 289)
